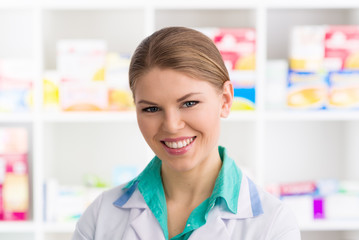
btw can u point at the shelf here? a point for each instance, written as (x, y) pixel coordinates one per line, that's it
(92, 5)
(19, 227)
(16, 4)
(60, 227)
(16, 117)
(306, 4)
(236, 116)
(327, 225)
(186, 4)
(70, 117)
(305, 115)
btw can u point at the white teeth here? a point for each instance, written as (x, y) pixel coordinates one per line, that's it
(179, 144)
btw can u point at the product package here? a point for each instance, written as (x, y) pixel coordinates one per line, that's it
(119, 93)
(81, 59)
(122, 174)
(342, 48)
(244, 90)
(16, 81)
(326, 199)
(307, 90)
(276, 84)
(83, 96)
(306, 48)
(343, 89)
(238, 49)
(67, 203)
(51, 84)
(14, 174)
(91, 78)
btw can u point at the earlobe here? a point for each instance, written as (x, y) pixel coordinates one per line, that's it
(227, 99)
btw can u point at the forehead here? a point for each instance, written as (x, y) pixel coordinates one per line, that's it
(169, 83)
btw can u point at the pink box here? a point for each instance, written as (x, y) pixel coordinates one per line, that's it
(342, 48)
(15, 188)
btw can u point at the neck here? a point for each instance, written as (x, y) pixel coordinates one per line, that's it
(194, 185)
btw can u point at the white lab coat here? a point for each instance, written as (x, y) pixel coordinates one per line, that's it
(120, 214)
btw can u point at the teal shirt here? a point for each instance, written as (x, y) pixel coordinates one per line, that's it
(226, 187)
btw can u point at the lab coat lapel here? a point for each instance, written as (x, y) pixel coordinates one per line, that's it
(215, 228)
(143, 225)
(221, 223)
(147, 227)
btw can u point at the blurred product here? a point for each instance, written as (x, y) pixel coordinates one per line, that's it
(81, 60)
(119, 93)
(307, 90)
(343, 89)
(16, 81)
(80, 96)
(122, 174)
(67, 203)
(244, 90)
(306, 48)
(342, 48)
(51, 82)
(88, 79)
(238, 49)
(14, 174)
(328, 199)
(331, 52)
(277, 71)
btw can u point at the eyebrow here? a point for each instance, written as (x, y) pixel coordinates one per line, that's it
(178, 100)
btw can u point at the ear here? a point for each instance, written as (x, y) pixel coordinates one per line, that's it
(227, 99)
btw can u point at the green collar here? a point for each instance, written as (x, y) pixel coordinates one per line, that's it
(226, 187)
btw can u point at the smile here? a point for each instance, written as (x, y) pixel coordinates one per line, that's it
(179, 144)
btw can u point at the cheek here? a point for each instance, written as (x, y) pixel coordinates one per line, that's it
(146, 127)
(207, 120)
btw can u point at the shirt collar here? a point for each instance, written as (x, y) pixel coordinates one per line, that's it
(228, 182)
(227, 185)
(149, 183)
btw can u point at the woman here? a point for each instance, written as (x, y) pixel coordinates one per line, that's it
(191, 189)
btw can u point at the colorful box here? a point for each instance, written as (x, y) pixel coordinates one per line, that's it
(342, 48)
(119, 93)
(307, 90)
(306, 48)
(236, 45)
(16, 76)
(343, 89)
(83, 96)
(15, 190)
(81, 60)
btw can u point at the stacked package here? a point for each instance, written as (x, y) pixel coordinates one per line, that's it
(325, 199)
(238, 49)
(324, 68)
(88, 78)
(66, 203)
(14, 174)
(16, 77)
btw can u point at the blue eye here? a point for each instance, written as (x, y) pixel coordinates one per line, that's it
(150, 109)
(190, 104)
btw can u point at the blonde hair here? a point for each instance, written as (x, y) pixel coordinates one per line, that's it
(181, 49)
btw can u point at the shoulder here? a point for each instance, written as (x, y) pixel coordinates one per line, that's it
(101, 208)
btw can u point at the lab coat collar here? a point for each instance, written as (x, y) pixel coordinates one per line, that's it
(143, 221)
(131, 198)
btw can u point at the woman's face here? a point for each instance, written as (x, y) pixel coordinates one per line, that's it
(179, 117)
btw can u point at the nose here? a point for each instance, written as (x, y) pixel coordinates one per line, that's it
(172, 121)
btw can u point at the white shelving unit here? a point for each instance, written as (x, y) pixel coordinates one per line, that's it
(270, 144)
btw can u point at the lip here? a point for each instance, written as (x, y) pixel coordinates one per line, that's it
(177, 151)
